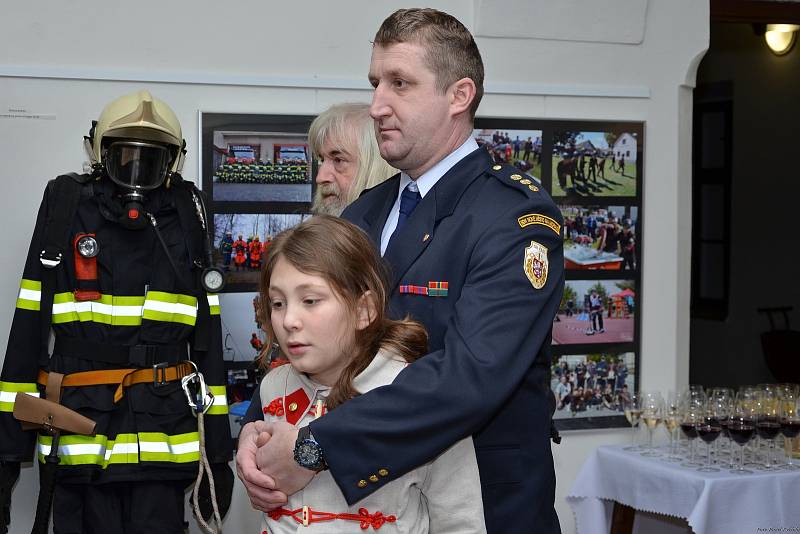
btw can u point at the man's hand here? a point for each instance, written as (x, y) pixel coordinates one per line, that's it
(277, 459)
(260, 487)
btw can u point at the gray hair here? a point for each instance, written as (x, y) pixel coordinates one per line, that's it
(351, 122)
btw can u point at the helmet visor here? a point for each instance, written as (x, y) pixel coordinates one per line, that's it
(136, 165)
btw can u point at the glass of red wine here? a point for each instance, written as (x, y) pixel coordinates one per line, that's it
(768, 424)
(709, 430)
(790, 421)
(742, 425)
(693, 414)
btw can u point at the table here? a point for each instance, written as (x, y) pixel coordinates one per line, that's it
(712, 503)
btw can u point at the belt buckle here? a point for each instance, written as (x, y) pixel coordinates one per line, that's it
(160, 374)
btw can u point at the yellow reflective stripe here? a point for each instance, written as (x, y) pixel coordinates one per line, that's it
(159, 447)
(124, 449)
(8, 393)
(26, 283)
(170, 307)
(220, 406)
(30, 295)
(108, 309)
(125, 310)
(213, 303)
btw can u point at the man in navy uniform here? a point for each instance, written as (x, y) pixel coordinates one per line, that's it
(476, 255)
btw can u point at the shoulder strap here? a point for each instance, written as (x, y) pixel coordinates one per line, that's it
(191, 222)
(64, 194)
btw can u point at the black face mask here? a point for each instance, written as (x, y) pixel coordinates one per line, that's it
(136, 167)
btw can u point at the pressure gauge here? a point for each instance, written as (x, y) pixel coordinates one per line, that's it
(213, 280)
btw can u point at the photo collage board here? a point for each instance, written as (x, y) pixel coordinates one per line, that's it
(593, 171)
(257, 175)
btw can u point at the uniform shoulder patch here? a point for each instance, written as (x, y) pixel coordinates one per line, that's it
(538, 218)
(536, 265)
(514, 177)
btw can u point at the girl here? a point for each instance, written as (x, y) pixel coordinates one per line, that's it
(326, 298)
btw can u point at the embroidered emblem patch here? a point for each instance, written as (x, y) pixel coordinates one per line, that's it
(538, 218)
(535, 264)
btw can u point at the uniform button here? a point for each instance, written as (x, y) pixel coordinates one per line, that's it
(497, 167)
(383, 473)
(533, 188)
(526, 182)
(293, 407)
(516, 177)
(373, 478)
(362, 483)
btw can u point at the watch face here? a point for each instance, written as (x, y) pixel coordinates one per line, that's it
(307, 454)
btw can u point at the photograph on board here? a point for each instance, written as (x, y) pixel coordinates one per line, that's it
(260, 167)
(241, 242)
(600, 237)
(595, 164)
(592, 385)
(596, 311)
(520, 148)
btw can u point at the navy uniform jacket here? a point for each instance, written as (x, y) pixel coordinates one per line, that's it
(494, 237)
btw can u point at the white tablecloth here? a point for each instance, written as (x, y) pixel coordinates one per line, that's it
(712, 503)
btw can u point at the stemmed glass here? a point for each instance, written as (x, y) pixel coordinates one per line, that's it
(652, 413)
(693, 414)
(672, 420)
(632, 407)
(721, 402)
(710, 429)
(741, 424)
(790, 421)
(768, 424)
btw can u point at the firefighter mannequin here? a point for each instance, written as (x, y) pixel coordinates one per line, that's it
(114, 270)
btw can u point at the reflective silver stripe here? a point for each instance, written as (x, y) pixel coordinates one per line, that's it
(10, 396)
(122, 448)
(30, 294)
(97, 307)
(163, 446)
(166, 307)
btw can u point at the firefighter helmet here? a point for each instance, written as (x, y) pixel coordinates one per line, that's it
(138, 141)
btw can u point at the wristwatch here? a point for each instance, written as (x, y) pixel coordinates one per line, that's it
(307, 452)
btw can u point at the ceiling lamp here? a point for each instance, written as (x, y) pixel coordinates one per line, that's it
(781, 37)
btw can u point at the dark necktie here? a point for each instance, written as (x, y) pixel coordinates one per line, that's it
(408, 201)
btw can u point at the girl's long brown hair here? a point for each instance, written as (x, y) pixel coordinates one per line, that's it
(342, 254)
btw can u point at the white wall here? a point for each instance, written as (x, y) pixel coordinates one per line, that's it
(614, 59)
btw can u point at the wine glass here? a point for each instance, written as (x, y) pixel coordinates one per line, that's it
(790, 421)
(693, 414)
(768, 424)
(652, 413)
(741, 424)
(672, 420)
(710, 429)
(720, 403)
(632, 407)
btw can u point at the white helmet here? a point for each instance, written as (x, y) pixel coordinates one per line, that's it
(138, 141)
